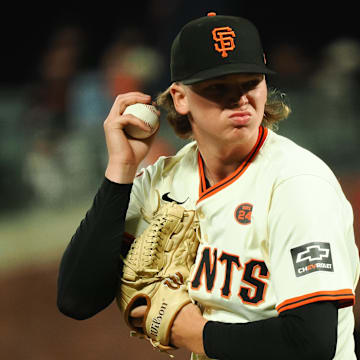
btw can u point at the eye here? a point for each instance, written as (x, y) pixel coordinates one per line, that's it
(215, 88)
(251, 85)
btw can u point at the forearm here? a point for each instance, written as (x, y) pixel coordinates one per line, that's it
(89, 269)
(309, 332)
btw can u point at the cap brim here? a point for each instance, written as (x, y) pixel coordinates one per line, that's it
(227, 69)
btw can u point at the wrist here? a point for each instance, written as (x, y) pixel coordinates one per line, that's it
(202, 348)
(197, 346)
(120, 173)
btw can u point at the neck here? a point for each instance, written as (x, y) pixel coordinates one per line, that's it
(221, 160)
(217, 169)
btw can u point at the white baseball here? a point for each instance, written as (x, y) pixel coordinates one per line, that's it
(148, 114)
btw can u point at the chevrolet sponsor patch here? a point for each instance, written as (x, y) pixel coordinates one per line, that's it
(314, 256)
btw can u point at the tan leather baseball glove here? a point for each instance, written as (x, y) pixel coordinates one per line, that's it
(156, 270)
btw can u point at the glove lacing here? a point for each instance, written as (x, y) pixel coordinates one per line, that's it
(151, 248)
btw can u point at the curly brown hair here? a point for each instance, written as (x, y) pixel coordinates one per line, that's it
(275, 110)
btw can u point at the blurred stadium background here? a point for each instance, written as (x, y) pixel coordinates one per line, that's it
(61, 69)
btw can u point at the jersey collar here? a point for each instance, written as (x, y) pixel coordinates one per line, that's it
(205, 192)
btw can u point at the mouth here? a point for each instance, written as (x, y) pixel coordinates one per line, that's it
(240, 118)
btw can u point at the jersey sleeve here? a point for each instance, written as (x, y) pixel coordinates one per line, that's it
(313, 256)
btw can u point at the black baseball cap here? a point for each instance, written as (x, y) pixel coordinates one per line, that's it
(216, 45)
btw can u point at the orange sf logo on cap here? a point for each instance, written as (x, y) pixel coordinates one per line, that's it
(224, 37)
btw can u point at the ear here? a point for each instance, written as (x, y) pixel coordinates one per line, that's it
(178, 93)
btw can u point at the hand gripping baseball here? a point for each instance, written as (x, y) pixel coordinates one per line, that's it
(125, 154)
(156, 271)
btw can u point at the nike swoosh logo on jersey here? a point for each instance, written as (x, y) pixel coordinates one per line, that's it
(166, 197)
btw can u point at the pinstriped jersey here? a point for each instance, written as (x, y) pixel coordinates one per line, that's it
(276, 234)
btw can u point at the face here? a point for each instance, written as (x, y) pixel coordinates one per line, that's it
(227, 109)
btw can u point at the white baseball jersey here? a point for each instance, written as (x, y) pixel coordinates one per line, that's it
(276, 234)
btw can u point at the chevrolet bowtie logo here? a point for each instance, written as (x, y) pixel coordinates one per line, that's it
(312, 253)
(311, 257)
(224, 37)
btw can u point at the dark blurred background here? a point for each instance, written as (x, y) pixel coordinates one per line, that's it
(61, 68)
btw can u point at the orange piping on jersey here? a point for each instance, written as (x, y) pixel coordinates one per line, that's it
(205, 193)
(343, 297)
(202, 186)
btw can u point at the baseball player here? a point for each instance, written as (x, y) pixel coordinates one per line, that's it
(277, 265)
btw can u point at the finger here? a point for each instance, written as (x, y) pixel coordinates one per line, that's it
(136, 95)
(139, 311)
(131, 119)
(120, 122)
(153, 103)
(123, 101)
(137, 316)
(137, 322)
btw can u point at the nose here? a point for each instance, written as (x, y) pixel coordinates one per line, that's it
(243, 100)
(237, 95)
(238, 101)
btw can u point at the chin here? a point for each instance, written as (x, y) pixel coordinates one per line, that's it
(242, 130)
(242, 134)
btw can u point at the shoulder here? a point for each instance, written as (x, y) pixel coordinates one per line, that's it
(185, 158)
(286, 159)
(294, 170)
